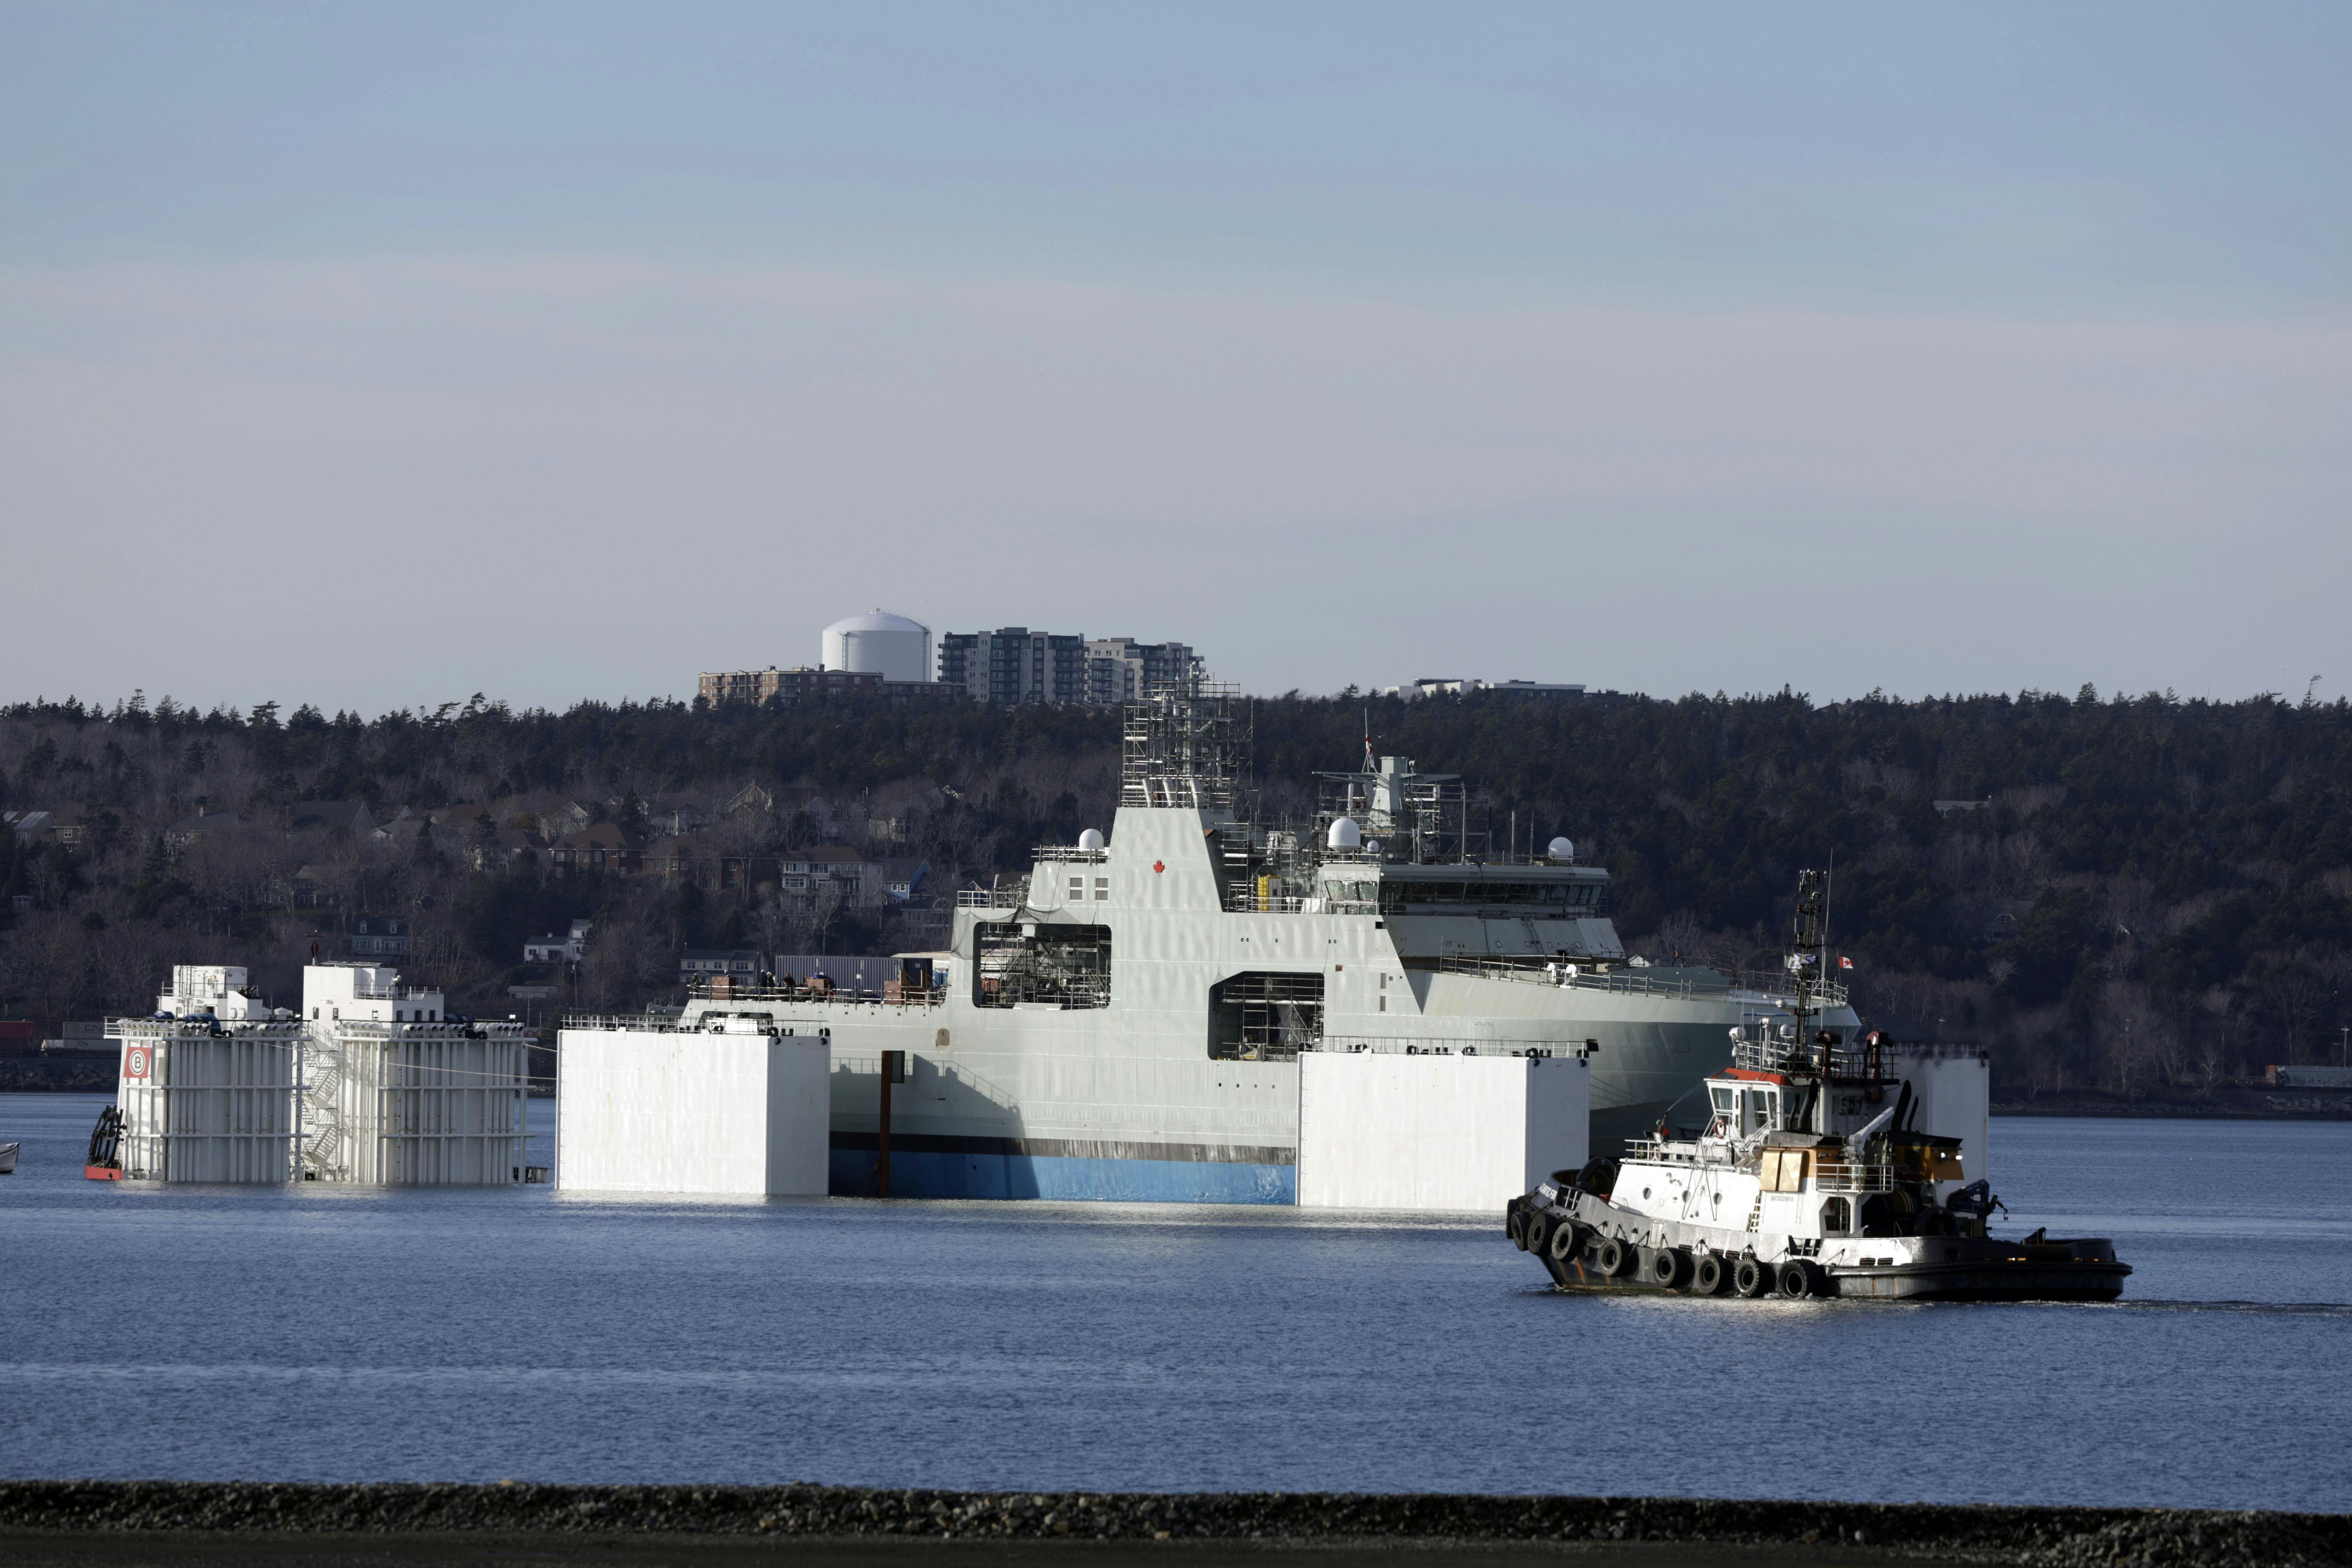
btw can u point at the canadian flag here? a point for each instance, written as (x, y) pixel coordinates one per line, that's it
(1844, 963)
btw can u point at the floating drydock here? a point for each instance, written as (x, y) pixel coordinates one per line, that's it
(1131, 1018)
(372, 1083)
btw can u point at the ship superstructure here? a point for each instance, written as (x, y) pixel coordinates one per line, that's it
(1125, 1021)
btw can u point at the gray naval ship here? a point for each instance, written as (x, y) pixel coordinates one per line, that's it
(1125, 1022)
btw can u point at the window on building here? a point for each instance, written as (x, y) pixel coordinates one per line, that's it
(1078, 890)
(1102, 890)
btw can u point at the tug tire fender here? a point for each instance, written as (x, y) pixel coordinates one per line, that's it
(1670, 1268)
(1614, 1257)
(1798, 1281)
(1708, 1276)
(1750, 1278)
(1534, 1233)
(1565, 1242)
(1515, 1225)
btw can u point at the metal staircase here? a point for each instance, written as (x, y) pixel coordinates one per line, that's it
(326, 1143)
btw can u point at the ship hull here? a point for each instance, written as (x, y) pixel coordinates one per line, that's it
(976, 1171)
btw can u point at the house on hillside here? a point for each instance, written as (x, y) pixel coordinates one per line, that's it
(378, 936)
(669, 818)
(603, 848)
(350, 816)
(832, 868)
(189, 829)
(559, 947)
(711, 963)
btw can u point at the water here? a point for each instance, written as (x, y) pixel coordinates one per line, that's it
(347, 1335)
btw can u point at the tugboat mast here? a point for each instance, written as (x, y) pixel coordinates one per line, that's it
(1805, 968)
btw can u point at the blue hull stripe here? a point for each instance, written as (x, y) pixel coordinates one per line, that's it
(923, 1174)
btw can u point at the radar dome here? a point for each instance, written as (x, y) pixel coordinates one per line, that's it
(1091, 838)
(1561, 849)
(1345, 834)
(891, 646)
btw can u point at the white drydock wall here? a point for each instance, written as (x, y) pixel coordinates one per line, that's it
(1380, 1131)
(645, 1110)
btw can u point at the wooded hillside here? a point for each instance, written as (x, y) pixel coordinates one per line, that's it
(2117, 891)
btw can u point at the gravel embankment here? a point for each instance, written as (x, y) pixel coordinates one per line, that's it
(2039, 1537)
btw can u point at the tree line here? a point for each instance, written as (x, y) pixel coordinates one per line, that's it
(2108, 890)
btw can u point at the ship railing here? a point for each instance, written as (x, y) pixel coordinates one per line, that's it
(1637, 980)
(1797, 1055)
(1007, 897)
(890, 993)
(1841, 1177)
(1247, 901)
(1445, 1045)
(1070, 852)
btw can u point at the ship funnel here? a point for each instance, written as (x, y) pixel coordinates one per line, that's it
(1345, 834)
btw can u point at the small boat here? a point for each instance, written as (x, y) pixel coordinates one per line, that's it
(104, 1163)
(1808, 1176)
(8, 1158)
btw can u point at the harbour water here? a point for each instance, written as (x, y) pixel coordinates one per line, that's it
(381, 1334)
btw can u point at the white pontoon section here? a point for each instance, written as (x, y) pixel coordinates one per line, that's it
(742, 1110)
(1436, 1133)
(371, 1084)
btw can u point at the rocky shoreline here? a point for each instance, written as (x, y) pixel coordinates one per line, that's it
(2039, 1537)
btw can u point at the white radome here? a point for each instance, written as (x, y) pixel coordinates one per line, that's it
(1344, 834)
(1091, 838)
(1561, 849)
(882, 644)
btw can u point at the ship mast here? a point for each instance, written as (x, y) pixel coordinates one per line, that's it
(1805, 968)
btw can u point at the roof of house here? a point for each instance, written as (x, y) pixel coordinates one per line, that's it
(350, 815)
(599, 836)
(825, 854)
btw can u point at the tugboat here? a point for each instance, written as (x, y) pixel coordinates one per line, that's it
(1810, 1177)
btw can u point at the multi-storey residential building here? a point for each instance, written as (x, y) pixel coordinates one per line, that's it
(1014, 665)
(770, 685)
(1121, 669)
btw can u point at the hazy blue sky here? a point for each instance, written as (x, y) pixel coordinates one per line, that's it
(376, 355)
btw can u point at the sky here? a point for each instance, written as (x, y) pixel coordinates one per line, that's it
(374, 356)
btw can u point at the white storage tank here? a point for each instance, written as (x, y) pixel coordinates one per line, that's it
(882, 644)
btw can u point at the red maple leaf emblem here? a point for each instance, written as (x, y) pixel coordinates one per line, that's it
(1156, 866)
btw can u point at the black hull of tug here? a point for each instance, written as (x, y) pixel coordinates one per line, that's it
(1980, 1270)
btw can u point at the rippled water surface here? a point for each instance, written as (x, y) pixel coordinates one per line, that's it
(415, 1334)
